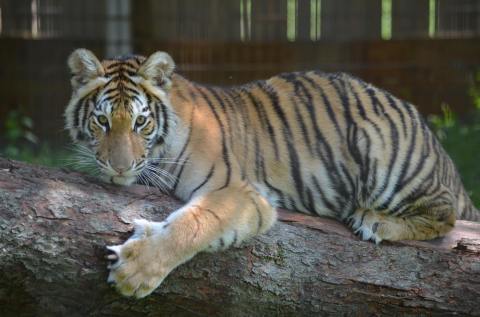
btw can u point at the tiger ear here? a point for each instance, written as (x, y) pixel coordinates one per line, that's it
(158, 68)
(84, 66)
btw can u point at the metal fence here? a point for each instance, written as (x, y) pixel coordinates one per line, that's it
(424, 51)
(240, 20)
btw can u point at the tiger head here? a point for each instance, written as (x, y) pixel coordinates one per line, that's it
(119, 111)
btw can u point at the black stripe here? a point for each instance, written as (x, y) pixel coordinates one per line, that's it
(157, 117)
(407, 202)
(310, 201)
(131, 72)
(179, 175)
(323, 197)
(120, 66)
(184, 148)
(295, 165)
(300, 93)
(353, 136)
(329, 161)
(411, 148)
(137, 99)
(415, 195)
(113, 99)
(108, 92)
(325, 99)
(263, 118)
(128, 89)
(223, 104)
(265, 181)
(392, 101)
(425, 153)
(365, 168)
(332, 116)
(213, 213)
(358, 105)
(319, 135)
(86, 104)
(165, 120)
(394, 141)
(113, 65)
(207, 178)
(291, 204)
(123, 77)
(76, 116)
(83, 122)
(237, 100)
(225, 155)
(363, 218)
(258, 156)
(349, 179)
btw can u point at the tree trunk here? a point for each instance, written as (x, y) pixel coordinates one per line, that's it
(55, 224)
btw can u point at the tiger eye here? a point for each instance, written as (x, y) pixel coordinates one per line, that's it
(102, 119)
(140, 120)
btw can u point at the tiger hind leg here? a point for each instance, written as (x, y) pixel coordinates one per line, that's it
(378, 226)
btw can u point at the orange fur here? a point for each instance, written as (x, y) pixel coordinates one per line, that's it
(328, 144)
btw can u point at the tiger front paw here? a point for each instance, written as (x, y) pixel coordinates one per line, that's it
(139, 266)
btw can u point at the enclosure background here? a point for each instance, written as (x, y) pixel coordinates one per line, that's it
(424, 51)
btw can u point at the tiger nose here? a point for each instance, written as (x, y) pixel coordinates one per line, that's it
(122, 167)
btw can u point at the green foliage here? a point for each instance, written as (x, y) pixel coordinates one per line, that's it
(21, 143)
(43, 155)
(444, 122)
(461, 140)
(18, 129)
(474, 90)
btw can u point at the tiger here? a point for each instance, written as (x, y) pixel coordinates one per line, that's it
(327, 144)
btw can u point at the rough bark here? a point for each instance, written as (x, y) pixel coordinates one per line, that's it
(54, 225)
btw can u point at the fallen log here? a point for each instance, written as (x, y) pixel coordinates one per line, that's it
(55, 224)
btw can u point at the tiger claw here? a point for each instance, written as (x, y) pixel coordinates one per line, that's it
(113, 255)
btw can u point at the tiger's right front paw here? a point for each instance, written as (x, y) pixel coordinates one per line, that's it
(140, 265)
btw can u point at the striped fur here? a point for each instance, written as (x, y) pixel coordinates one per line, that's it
(325, 144)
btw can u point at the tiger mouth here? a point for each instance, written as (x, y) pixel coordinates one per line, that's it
(123, 180)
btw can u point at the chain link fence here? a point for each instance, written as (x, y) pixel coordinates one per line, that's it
(424, 51)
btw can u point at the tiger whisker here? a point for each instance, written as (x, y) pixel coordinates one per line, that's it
(155, 180)
(83, 159)
(160, 160)
(159, 172)
(143, 181)
(162, 172)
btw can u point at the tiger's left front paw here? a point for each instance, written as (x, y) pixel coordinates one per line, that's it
(140, 264)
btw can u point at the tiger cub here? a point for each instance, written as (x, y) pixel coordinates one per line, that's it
(325, 144)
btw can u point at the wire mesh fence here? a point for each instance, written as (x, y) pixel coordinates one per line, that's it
(424, 51)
